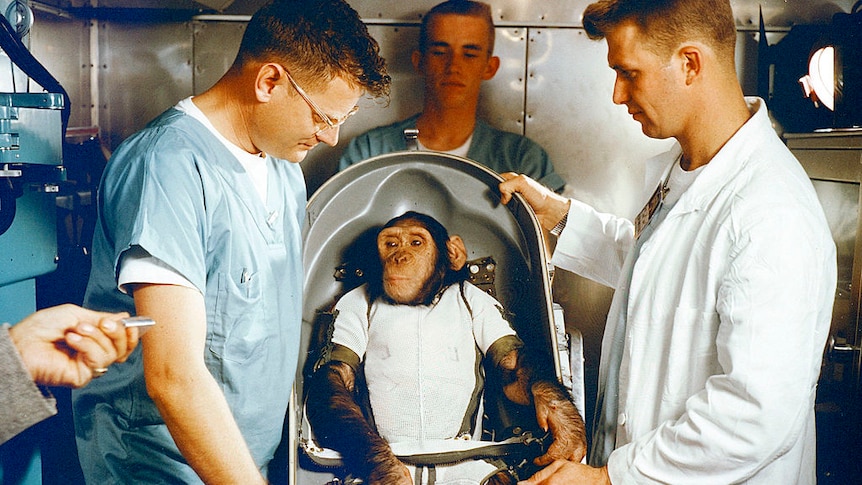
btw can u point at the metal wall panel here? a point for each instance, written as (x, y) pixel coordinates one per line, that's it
(63, 45)
(501, 102)
(776, 13)
(564, 12)
(235, 7)
(503, 11)
(215, 47)
(143, 70)
(595, 145)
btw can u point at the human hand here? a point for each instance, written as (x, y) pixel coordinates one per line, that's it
(564, 472)
(66, 344)
(558, 414)
(550, 207)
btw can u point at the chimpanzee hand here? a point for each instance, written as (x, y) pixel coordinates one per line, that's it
(556, 413)
(389, 470)
(501, 478)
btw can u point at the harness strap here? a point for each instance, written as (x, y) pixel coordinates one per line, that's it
(521, 445)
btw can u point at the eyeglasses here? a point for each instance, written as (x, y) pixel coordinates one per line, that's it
(329, 121)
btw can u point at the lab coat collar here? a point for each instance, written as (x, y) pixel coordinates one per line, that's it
(730, 159)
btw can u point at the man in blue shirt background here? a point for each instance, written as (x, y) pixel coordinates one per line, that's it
(454, 57)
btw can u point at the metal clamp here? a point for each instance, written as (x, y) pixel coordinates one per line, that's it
(411, 137)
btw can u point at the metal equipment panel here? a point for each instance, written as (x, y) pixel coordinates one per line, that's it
(30, 245)
(787, 13)
(144, 69)
(833, 160)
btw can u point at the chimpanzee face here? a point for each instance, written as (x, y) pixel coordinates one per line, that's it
(409, 257)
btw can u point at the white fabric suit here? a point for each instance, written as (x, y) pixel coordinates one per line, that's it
(422, 362)
(728, 311)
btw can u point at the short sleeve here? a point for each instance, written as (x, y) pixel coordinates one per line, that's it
(489, 322)
(350, 328)
(165, 215)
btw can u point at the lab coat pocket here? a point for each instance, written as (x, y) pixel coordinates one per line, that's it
(692, 356)
(238, 328)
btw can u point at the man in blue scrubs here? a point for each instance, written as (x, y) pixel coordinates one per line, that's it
(454, 57)
(200, 218)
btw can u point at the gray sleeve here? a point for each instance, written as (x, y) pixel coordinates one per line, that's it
(22, 403)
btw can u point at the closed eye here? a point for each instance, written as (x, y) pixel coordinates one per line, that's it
(625, 73)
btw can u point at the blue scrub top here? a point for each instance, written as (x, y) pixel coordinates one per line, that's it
(176, 191)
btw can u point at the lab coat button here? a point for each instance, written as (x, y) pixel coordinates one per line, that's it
(621, 419)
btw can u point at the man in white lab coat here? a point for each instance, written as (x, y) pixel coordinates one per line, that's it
(724, 282)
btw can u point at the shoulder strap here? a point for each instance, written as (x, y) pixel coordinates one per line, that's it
(464, 297)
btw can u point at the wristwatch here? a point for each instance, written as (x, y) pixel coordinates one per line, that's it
(560, 226)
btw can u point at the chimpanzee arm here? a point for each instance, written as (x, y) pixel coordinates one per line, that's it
(333, 411)
(338, 423)
(526, 383)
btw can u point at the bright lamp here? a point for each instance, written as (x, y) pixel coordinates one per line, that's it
(819, 83)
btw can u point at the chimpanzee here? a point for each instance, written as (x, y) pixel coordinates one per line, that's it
(420, 334)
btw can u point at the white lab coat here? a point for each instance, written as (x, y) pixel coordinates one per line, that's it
(729, 307)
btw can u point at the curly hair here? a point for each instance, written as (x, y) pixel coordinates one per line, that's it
(318, 40)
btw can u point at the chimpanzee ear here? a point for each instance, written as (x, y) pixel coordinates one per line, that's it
(457, 252)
